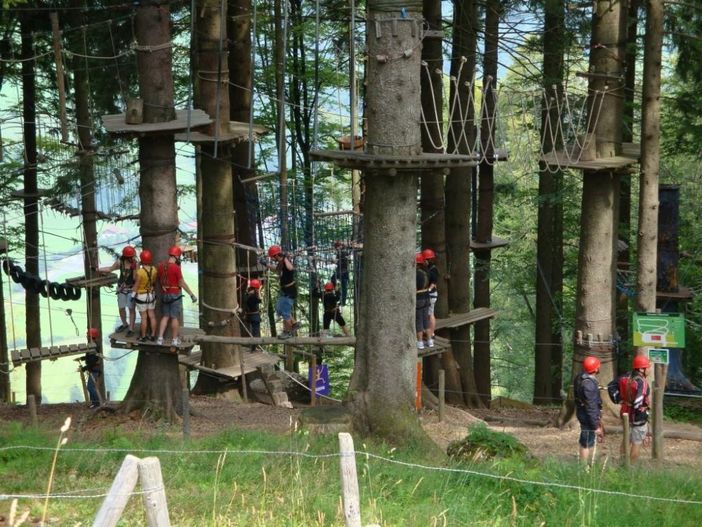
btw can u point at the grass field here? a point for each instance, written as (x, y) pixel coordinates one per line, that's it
(261, 479)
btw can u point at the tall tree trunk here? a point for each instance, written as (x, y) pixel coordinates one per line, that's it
(458, 192)
(548, 353)
(386, 341)
(216, 265)
(648, 195)
(5, 386)
(155, 386)
(280, 14)
(87, 185)
(594, 310)
(31, 203)
(432, 190)
(481, 359)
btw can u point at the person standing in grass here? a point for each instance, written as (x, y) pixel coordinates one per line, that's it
(635, 394)
(588, 408)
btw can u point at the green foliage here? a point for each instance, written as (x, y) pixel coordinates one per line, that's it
(484, 443)
(683, 411)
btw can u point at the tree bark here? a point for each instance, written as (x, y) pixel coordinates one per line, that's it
(458, 193)
(216, 265)
(386, 341)
(548, 353)
(280, 14)
(594, 311)
(31, 203)
(155, 386)
(646, 274)
(481, 360)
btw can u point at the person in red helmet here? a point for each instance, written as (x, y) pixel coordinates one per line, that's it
(282, 264)
(93, 367)
(433, 272)
(127, 265)
(253, 312)
(588, 408)
(341, 271)
(172, 283)
(145, 296)
(424, 340)
(332, 311)
(635, 394)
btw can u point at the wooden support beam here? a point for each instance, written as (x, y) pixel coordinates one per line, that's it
(262, 341)
(56, 39)
(117, 497)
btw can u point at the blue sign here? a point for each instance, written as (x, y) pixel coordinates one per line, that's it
(322, 387)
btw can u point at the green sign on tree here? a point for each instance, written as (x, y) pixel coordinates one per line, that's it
(659, 329)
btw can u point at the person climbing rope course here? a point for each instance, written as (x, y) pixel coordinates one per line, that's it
(283, 265)
(127, 265)
(172, 282)
(145, 296)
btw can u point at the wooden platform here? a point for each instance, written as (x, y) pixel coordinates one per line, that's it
(683, 294)
(238, 132)
(362, 160)
(115, 123)
(187, 337)
(252, 361)
(49, 353)
(461, 319)
(293, 341)
(441, 345)
(495, 243)
(98, 281)
(630, 154)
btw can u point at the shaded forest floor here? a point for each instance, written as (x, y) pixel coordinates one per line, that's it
(528, 424)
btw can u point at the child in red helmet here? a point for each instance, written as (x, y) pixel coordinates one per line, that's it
(332, 311)
(282, 264)
(433, 272)
(588, 408)
(635, 394)
(424, 339)
(145, 296)
(252, 312)
(127, 266)
(172, 283)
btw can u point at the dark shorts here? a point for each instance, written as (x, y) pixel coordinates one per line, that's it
(336, 316)
(587, 437)
(172, 305)
(422, 316)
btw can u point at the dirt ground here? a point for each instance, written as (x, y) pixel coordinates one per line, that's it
(214, 415)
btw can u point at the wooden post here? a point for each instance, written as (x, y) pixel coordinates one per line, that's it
(14, 397)
(186, 414)
(107, 397)
(349, 481)
(626, 443)
(660, 374)
(418, 387)
(442, 394)
(154, 495)
(84, 385)
(31, 402)
(119, 493)
(244, 389)
(56, 38)
(313, 380)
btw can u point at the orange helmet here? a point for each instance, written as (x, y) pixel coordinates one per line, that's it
(175, 251)
(428, 254)
(419, 258)
(641, 362)
(254, 284)
(329, 286)
(129, 252)
(591, 364)
(274, 250)
(93, 333)
(146, 257)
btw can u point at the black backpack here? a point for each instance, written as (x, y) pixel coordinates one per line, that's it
(613, 390)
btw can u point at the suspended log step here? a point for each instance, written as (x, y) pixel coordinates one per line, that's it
(49, 353)
(494, 243)
(263, 341)
(252, 360)
(630, 154)
(120, 340)
(238, 133)
(21, 194)
(683, 294)
(363, 161)
(461, 319)
(98, 281)
(185, 119)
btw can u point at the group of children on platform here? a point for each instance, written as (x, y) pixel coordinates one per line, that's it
(136, 291)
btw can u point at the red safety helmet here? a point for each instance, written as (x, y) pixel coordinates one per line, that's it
(419, 258)
(337, 244)
(129, 252)
(591, 364)
(641, 362)
(146, 257)
(93, 333)
(329, 286)
(175, 251)
(428, 254)
(254, 284)
(274, 250)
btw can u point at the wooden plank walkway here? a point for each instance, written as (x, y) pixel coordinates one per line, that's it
(24, 356)
(293, 341)
(97, 281)
(630, 154)
(187, 336)
(116, 124)
(461, 319)
(252, 360)
(441, 345)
